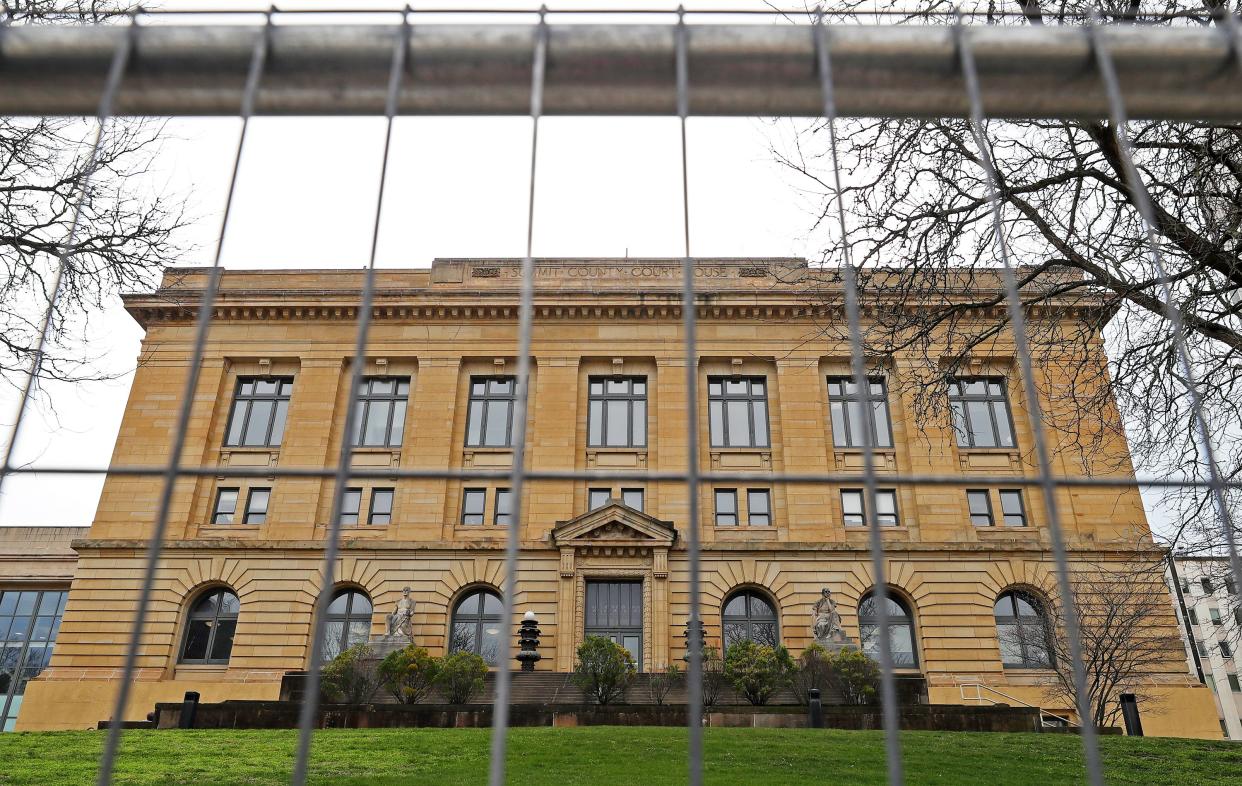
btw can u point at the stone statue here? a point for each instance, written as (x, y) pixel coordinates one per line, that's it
(827, 625)
(400, 620)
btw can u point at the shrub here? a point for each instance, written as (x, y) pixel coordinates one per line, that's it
(814, 667)
(855, 675)
(351, 677)
(605, 669)
(408, 673)
(660, 684)
(757, 671)
(713, 676)
(459, 676)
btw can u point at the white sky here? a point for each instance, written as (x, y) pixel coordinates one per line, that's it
(457, 188)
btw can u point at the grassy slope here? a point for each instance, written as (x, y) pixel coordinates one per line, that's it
(607, 755)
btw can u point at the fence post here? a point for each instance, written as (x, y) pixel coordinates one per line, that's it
(1130, 714)
(815, 709)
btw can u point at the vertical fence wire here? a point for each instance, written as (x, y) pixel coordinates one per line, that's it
(1141, 199)
(173, 470)
(310, 698)
(888, 685)
(694, 674)
(1017, 321)
(111, 87)
(526, 316)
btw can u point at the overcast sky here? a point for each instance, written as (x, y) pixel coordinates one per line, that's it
(457, 188)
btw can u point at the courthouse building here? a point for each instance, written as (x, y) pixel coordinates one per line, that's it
(969, 567)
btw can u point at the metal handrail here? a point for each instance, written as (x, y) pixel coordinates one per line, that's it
(979, 697)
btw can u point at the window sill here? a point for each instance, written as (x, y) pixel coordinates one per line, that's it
(487, 457)
(855, 459)
(361, 530)
(1002, 531)
(741, 459)
(749, 529)
(890, 531)
(375, 457)
(227, 530)
(249, 457)
(616, 457)
(200, 670)
(990, 459)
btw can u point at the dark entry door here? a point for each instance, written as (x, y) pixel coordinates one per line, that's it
(614, 610)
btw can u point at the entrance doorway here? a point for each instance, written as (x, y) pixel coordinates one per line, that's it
(614, 610)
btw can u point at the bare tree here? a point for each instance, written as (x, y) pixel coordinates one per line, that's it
(126, 233)
(1121, 609)
(916, 201)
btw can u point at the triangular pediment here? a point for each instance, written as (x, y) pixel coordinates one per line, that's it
(617, 524)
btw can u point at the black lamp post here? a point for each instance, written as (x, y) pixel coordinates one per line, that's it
(528, 640)
(701, 637)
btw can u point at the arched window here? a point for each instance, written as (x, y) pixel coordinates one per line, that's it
(477, 625)
(1022, 628)
(210, 627)
(348, 622)
(900, 630)
(748, 615)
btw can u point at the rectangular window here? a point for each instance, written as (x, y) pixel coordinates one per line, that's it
(1013, 512)
(758, 507)
(351, 506)
(381, 507)
(1234, 685)
(1203, 650)
(738, 412)
(633, 498)
(489, 416)
(256, 506)
(379, 412)
(1215, 615)
(1237, 615)
(980, 412)
(980, 504)
(1194, 617)
(504, 507)
(226, 506)
(849, 427)
(726, 507)
(854, 507)
(598, 498)
(259, 410)
(473, 502)
(1206, 583)
(617, 412)
(1225, 650)
(1185, 586)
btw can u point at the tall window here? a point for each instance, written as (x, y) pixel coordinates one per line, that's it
(351, 506)
(1013, 512)
(259, 410)
(381, 507)
(749, 616)
(477, 625)
(598, 498)
(1023, 631)
(29, 622)
(854, 507)
(1206, 583)
(980, 410)
(849, 429)
(617, 412)
(900, 630)
(210, 628)
(726, 507)
(348, 622)
(738, 412)
(504, 507)
(379, 412)
(633, 498)
(473, 503)
(980, 504)
(489, 419)
(758, 507)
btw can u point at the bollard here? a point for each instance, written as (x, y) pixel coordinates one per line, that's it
(189, 706)
(815, 709)
(1130, 714)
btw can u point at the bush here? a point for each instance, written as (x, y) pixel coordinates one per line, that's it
(814, 671)
(351, 677)
(409, 673)
(459, 676)
(713, 676)
(757, 671)
(855, 675)
(605, 669)
(660, 684)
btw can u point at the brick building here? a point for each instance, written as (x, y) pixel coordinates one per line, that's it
(968, 566)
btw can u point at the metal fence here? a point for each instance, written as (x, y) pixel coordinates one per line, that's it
(811, 65)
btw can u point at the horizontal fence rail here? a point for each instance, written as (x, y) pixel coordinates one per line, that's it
(734, 70)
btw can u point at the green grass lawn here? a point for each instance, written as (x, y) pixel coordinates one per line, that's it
(607, 755)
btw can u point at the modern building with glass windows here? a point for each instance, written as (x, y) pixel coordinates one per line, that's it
(969, 566)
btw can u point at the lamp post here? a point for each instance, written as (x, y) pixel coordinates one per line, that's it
(528, 640)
